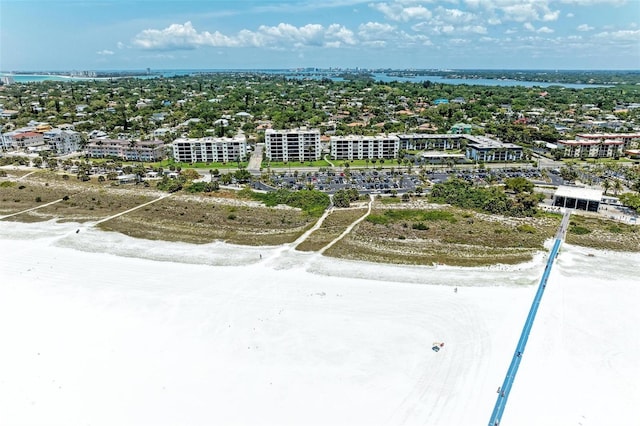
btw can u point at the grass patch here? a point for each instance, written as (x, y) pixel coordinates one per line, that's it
(579, 230)
(333, 225)
(526, 228)
(411, 216)
(313, 202)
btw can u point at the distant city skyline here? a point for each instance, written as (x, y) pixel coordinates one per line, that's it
(246, 34)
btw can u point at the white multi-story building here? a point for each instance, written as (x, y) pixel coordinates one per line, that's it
(292, 145)
(23, 139)
(629, 140)
(210, 149)
(62, 141)
(482, 148)
(424, 141)
(358, 147)
(126, 149)
(591, 148)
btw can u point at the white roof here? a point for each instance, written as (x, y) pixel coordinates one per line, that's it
(579, 193)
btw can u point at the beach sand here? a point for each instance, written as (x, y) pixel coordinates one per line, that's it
(102, 329)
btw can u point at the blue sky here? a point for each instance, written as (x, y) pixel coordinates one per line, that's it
(175, 34)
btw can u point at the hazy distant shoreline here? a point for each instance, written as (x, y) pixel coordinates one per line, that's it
(390, 76)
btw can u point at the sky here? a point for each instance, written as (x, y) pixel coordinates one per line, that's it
(276, 34)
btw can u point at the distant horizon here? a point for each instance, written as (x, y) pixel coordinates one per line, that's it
(301, 68)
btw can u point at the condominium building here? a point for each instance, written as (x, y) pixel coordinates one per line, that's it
(482, 148)
(62, 141)
(126, 149)
(22, 139)
(424, 141)
(358, 147)
(629, 140)
(292, 145)
(210, 149)
(592, 148)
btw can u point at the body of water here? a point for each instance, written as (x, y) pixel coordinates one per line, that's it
(335, 76)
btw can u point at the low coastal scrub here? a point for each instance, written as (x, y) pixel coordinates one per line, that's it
(312, 202)
(591, 231)
(411, 215)
(494, 200)
(444, 235)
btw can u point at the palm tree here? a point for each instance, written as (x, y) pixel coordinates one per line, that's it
(606, 185)
(617, 186)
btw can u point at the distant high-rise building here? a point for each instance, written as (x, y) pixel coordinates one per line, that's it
(7, 79)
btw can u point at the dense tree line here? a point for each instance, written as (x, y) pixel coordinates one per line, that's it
(137, 106)
(492, 199)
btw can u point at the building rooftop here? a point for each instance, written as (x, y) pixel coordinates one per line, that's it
(579, 193)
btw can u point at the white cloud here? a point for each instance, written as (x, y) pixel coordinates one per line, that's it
(570, 15)
(336, 32)
(120, 45)
(621, 35)
(584, 27)
(105, 52)
(181, 36)
(454, 16)
(542, 30)
(376, 34)
(515, 10)
(593, 2)
(185, 36)
(401, 13)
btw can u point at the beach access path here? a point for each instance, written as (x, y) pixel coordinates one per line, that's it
(349, 228)
(130, 210)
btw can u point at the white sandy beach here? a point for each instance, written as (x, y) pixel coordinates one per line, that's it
(100, 329)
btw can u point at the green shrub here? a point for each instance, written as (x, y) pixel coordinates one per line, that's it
(579, 230)
(378, 219)
(420, 226)
(615, 229)
(527, 229)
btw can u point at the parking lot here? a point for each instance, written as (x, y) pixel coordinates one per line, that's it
(388, 181)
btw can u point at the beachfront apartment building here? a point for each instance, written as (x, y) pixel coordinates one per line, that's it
(124, 149)
(599, 145)
(292, 145)
(485, 149)
(359, 147)
(62, 141)
(429, 142)
(591, 148)
(210, 149)
(629, 140)
(23, 139)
